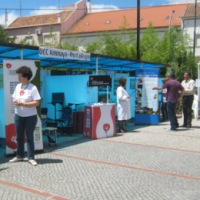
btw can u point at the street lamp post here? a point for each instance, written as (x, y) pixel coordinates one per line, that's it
(138, 29)
(195, 24)
(170, 17)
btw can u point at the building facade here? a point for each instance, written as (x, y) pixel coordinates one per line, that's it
(93, 25)
(75, 23)
(191, 26)
(46, 29)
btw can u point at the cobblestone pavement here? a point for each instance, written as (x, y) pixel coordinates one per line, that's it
(146, 163)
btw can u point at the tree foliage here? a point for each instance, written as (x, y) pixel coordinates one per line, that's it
(73, 44)
(149, 45)
(3, 35)
(179, 58)
(121, 44)
(171, 49)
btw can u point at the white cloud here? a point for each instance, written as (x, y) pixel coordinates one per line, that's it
(10, 18)
(53, 9)
(181, 1)
(177, 1)
(103, 7)
(44, 10)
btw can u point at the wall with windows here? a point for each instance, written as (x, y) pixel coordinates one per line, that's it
(188, 27)
(43, 35)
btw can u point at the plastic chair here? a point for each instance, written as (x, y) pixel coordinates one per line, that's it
(49, 127)
(65, 122)
(44, 118)
(46, 121)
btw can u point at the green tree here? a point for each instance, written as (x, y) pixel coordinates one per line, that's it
(95, 47)
(121, 44)
(174, 51)
(3, 35)
(149, 45)
(67, 46)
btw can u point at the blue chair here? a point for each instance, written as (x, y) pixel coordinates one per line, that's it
(46, 121)
(65, 122)
(49, 127)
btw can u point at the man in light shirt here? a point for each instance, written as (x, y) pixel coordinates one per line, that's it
(187, 100)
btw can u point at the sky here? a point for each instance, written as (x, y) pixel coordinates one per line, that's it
(17, 8)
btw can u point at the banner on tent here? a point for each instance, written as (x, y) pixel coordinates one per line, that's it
(63, 54)
(10, 82)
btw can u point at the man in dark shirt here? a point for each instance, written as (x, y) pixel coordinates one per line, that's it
(173, 87)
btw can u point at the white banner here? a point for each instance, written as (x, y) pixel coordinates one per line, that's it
(63, 54)
(197, 84)
(150, 97)
(10, 82)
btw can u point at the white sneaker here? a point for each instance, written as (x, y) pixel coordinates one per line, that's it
(16, 159)
(32, 162)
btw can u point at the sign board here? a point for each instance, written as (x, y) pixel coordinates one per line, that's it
(99, 81)
(197, 84)
(63, 54)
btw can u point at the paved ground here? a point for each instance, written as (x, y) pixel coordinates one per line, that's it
(147, 163)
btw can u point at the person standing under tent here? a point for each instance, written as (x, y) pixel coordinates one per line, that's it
(164, 110)
(123, 104)
(173, 87)
(25, 98)
(187, 99)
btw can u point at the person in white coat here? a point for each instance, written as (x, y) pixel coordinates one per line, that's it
(123, 104)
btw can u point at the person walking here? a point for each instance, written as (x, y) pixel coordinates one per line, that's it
(187, 99)
(123, 104)
(173, 87)
(25, 98)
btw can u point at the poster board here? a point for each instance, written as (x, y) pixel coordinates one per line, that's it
(99, 80)
(103, 82)
(146, 100)
(10, 82)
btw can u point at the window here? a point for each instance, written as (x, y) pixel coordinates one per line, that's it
(13, 39)
(28, 40)
(49, 39)
(198, 40)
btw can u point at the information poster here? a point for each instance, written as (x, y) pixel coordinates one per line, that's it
(10, 82)
(146, 101)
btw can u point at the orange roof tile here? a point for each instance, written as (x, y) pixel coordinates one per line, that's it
(113, 20)
(190, 11)
(39, 20)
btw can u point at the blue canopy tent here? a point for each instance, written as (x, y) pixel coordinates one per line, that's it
(100, 62)
(97, 62)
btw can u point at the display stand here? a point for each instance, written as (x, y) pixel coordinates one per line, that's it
(99, 121)
(10, 81)
(147, 110)
(99, 118)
